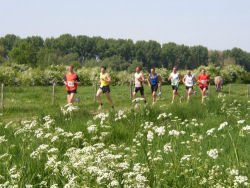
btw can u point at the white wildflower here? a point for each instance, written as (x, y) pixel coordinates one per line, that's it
(241, 121)
(2, 139)
(240, 180)
(92, 129)
(174, 133)
(222, 125)
(150, 136)
(185, 158)
(160, 131)
(213, 153)
(167, 148)
(210, 131)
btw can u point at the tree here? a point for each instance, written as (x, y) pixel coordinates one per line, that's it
(215, 57)
(36, 41)
(149, 53)
(199, 56)
(2, 54)
(24, 53)
(8, 41)
(184, 57)
(169, 55)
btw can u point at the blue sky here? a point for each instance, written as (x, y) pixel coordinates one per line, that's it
(217, 24)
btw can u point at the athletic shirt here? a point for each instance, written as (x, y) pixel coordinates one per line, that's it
(203, 79)
(138, 82)
(189, 80)
(69, 78)
(153, 79)
(174, 78)
(103, 76)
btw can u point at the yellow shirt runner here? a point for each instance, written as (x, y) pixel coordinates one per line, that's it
(103, 79)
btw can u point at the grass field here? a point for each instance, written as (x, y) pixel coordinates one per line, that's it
(169, 145)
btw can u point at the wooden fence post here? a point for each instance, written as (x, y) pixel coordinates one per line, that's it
(131, 88)
(230, 89)
(248, 88)
(53, 94)
(95, 91)
(2, 96)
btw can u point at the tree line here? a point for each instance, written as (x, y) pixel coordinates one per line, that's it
(118, 54)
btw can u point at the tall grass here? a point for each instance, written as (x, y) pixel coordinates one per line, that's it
(169, 145)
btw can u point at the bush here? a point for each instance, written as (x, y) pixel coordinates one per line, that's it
(15, 74)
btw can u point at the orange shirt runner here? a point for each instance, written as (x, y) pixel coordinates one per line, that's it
(203, 79)
(69, 78)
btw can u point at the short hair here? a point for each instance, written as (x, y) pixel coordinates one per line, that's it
(103, 67)
(203, 69)
(71, 66)
(153, 68)
(138, 67)
(175, 67)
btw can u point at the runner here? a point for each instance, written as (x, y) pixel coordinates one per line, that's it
(105, 80)
(139, 80)
(189, 81)
(71, 81)
(175, 78)
(203, 80)
(154, 81)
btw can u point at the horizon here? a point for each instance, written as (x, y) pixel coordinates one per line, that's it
(134, 41)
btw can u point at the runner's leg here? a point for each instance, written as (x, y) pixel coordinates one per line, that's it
(68, 98)
(154, 96)
(189, 93)
(98, 95)
(174, 91)
(109, 99)
(71, 98)
(203, 93)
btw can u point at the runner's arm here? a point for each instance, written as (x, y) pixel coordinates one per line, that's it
(108, 79)
(180, 76)
(149, 81)
(195, 80)
(160, 80)
(208, 79)
(77, 80)
(142, 78)
(183, 80)
(65, 81)
(169, 78)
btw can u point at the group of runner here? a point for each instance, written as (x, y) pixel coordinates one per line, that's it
(154, 80)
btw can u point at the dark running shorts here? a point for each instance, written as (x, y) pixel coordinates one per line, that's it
(188, 87)
(141, 89)
(202, 87)
(154, 88)
(175, 88)
(72, 91)
(105, 89)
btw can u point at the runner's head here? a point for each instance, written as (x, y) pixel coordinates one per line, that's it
(152, 70)
(188, 72)
(71, 68)
(103, 69)
(174, 69)
(138, 69)
(203, 71)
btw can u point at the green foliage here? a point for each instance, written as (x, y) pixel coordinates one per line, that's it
(133, 66)
(21, 74)
(117, 54)
(24, 53)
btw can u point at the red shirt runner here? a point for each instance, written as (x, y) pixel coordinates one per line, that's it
(203, 79)
(69, 78)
